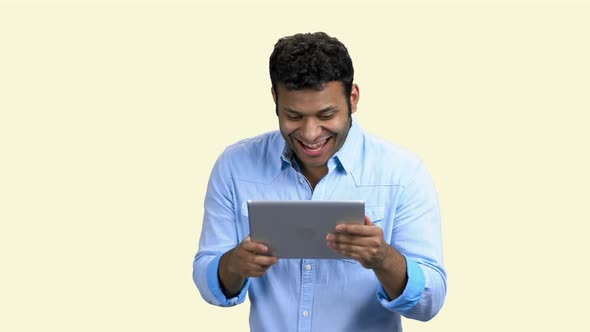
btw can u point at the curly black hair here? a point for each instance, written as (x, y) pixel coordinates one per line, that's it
(308, 60)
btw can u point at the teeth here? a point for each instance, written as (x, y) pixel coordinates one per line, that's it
(314, 146)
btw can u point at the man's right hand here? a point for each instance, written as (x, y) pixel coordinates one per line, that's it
(248, 259)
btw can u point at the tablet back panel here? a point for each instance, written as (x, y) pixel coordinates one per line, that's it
(298, 229)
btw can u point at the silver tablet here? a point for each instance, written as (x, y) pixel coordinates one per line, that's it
(298, 229)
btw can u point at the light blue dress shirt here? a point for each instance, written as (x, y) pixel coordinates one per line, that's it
(326, 295)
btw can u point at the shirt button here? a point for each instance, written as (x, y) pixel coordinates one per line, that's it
(308, 267)
(305, 313)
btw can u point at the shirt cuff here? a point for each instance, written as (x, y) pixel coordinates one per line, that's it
(215, 286)
(412, 292)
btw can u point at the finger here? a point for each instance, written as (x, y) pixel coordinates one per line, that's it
(254, 247)
(343, 238)
(256, 252)
(254, 270)
(264, 261)
(352, 248)
(350, 252)
(360, 254)
(251, 264)
(259, 265)
(343, 226)
(362, 230)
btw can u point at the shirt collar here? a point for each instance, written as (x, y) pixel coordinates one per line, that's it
(349, 154)
(286, 156)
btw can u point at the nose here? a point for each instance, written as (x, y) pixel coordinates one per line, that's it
(310, 130)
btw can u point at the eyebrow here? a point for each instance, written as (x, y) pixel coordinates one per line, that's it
(323, 110)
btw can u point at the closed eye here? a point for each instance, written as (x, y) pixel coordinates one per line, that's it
(326, 116)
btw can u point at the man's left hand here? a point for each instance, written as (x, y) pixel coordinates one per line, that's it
(363, 243)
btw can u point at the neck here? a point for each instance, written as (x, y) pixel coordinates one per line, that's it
(314, 174)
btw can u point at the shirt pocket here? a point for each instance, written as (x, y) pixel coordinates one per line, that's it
(244, 212)
(376, 214)
(243, 225)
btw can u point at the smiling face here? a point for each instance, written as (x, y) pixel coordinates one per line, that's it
(315, 123)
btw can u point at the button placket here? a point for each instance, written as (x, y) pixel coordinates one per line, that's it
(307, 290)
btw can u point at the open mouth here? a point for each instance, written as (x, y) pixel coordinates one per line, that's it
(314, 149)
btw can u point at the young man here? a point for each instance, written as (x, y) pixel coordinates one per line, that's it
(394, 264)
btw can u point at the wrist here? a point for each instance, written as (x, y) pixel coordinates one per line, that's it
(391, 260)
(229, 278)
(226, 265)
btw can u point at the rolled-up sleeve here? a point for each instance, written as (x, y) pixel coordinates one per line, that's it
(417, 235)
(411, 294)
(211, 289)
(218, 235)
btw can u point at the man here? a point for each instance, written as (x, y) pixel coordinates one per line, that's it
(394, 264)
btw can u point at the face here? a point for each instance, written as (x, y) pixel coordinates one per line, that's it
(315, 123)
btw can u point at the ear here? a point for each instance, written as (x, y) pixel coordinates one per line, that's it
(354, 97)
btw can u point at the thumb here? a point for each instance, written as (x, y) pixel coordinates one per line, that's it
(368, 221)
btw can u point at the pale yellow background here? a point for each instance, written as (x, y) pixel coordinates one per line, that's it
(112, 116)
